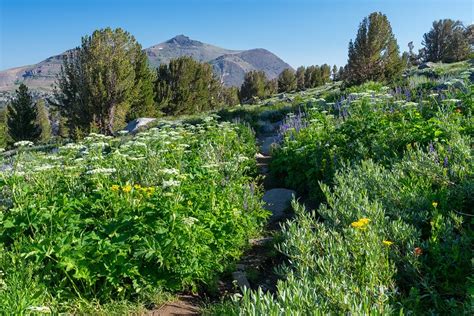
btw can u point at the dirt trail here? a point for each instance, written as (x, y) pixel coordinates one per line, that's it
(255, 269)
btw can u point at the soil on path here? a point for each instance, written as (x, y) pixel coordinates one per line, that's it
(255, 269)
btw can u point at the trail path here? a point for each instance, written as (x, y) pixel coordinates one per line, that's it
(258, 261)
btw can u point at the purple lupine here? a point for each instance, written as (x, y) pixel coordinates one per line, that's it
(431, 147)
(446, 162)
(407, 94)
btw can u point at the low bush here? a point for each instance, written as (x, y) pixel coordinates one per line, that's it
(119, 218)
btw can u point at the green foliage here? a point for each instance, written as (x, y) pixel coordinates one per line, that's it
(3, 128)
(21, 117)
(186, 86)
(42, 119)
(119, 218)
(102, 81)
(254, 87)
(393, 230)
(287, 81)
(300, 83)
(374, 54)
(447, 41)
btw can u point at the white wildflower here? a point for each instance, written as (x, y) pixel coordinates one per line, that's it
(23, 143)
(171, 183)
(169, 171)
(102, 171)
(40, 309)
(190, 220)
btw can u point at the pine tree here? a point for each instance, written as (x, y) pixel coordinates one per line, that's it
(287, 81)
(143, 105)
(21, 117)
(3, 128)
(325, 73)
(334, 73)
(271, 87)
(374, 54)
(300, 84)
(186, 86)
(254, 87)
(101, 81)
(43, 121)
(308, 77)
(446, 42)
(229, 96)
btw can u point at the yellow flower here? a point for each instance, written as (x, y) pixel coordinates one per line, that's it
(361, 223)
(387, 242)
(115, 187)
(435, 204)
(137, 186)
(190, 202)
(364, 220)
(127, 188)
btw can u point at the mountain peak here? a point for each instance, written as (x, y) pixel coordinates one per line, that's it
(183, 40)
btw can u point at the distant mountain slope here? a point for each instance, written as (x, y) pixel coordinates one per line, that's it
(229, 65)
(232, 67)
(184, 46)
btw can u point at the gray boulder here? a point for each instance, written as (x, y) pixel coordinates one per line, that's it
(135, 125)
(278, 201)
(427, 65)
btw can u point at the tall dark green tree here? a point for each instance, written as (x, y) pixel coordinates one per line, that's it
(374, 55)
(3, 128)
(308, 77)
(186, 86)
(21, 117)
(287, 81)
(253, 87)
(43, 121)
(102, 81)
(300, 78)
(271, 87)
(447, 41)
(143, 104)
(334, 73)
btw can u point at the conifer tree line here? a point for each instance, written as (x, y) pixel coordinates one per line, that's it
(107, 81)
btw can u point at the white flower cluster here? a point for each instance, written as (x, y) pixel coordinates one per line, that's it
(23, 143)
(102, 171)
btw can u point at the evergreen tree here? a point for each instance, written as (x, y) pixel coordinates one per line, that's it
(374, 54)
(334, 73)
(325, 74)
(186, 86)
(287, 81)
(446, 42)
(230, 96)
(308, 77)
(143, 105)
(271, 87)
(300, 84)
(21, 117)
(254, 87)
(101, 81)
(3, 128)
(340, 73)
(43, 121)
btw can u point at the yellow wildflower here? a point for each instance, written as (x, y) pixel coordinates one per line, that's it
(137, 186)
(127, 188)
(190, 202)
(115, 187)
(387, 242)
(361, 223)
(364, 220)
(435, 204)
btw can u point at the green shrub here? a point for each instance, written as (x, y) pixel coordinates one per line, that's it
(111, 218)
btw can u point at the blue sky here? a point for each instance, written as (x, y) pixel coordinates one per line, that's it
(302, 32)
